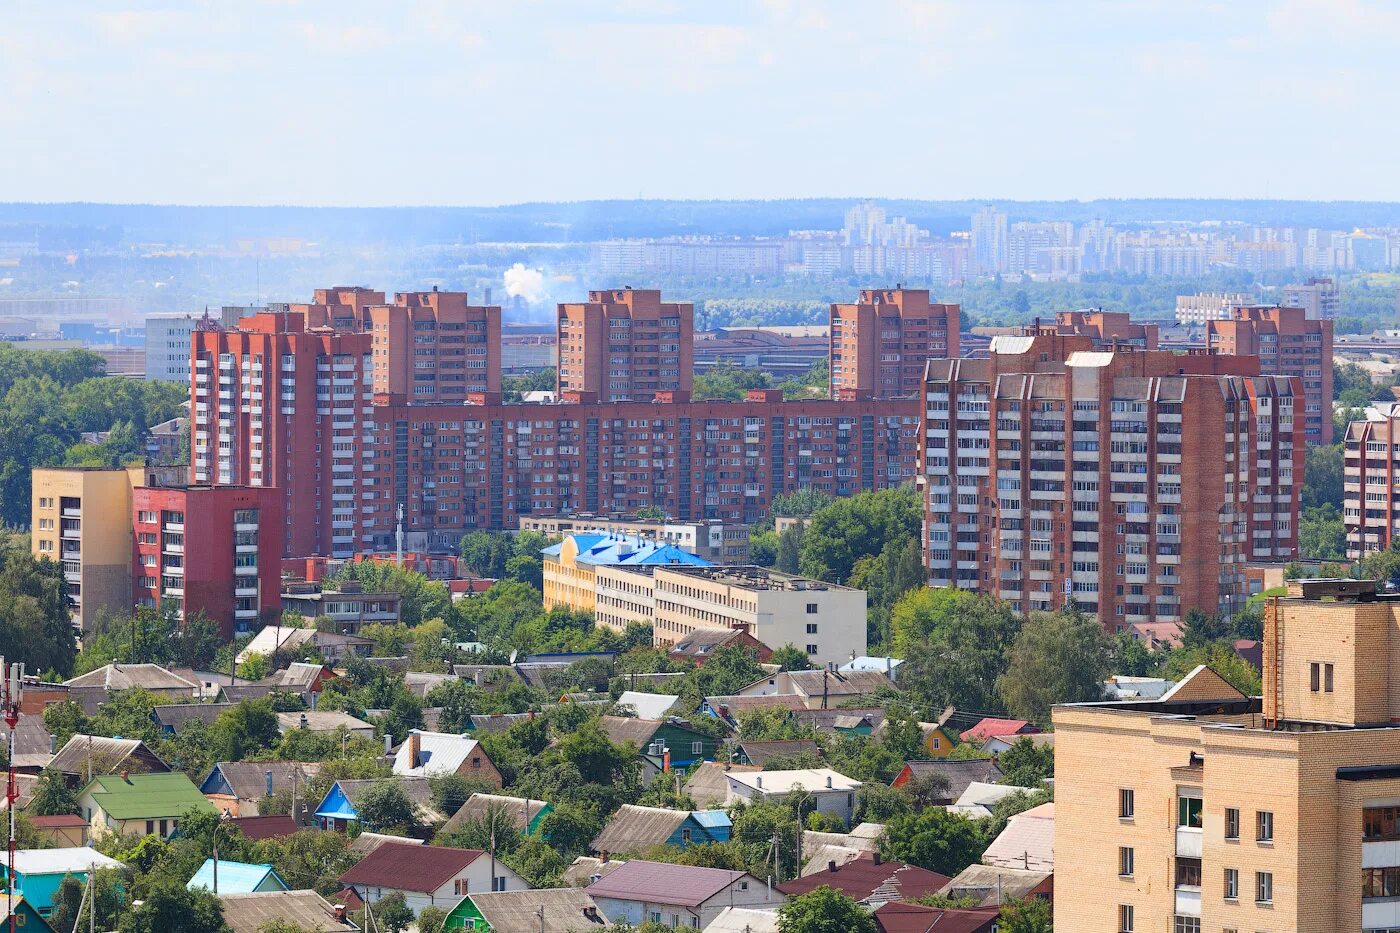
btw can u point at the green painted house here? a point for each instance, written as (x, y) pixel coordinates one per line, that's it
(687, 745)
(139, 804)
(525, 815)
(26, 917)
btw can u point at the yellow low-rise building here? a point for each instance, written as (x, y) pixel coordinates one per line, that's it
(1207, 810)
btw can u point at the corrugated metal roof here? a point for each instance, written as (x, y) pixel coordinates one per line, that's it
(664, 883)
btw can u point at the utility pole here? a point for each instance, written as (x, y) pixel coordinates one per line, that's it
(13, 696)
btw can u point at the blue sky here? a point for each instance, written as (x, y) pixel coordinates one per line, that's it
(462, 102)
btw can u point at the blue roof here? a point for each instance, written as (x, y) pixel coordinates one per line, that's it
(627, 551)
(236, 877)
(711, 818)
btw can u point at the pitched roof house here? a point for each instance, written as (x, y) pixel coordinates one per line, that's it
(1028, 841)
(429, 754)
(237, 878)
(307, 910)
(821, 689)
(749, 752)
(524, 814)
(85, 756)
(436, 876)
(687, 746)
(635, 829)
(151, 677)
(990, 885)
(958, 773)
(676, 895)
(993, 726)
(139, 804)
(700, 645)
(338, 809)
(900, 917)
(870, 880)
(324, 721)
(39, 872)
(238, 786)
(173, 717)
(542, 910)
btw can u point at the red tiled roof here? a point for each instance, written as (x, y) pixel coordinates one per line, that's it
(990, 727)
(265, 827)
(410, 868)
(898, 917)
(859, 879)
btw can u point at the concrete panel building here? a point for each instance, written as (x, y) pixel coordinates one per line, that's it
(168, 346)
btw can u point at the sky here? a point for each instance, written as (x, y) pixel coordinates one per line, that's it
(461, 102)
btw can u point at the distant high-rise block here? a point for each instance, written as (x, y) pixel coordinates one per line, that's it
(626, 345)
(1136, 482)
(989, 242)
(1371, 473)
(1320, 299)
(1287, 344)
(881, 344)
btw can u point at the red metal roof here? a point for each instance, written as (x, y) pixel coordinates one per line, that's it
(990, 727)
(858, 879)
(898, 917)
(410, 868)
(265, 827)
(664, 883)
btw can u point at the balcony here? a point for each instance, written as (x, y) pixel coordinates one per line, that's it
(245, 590)
(1188, 842)
(178, 527)
(1188, 901)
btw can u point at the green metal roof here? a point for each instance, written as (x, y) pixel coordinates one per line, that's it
(147, 796)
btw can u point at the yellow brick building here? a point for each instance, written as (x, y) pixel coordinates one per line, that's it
(1210, 811)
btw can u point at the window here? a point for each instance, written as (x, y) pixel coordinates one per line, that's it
(459, 887)
(1232, 823)
(1186, 925)
(685, 835)
(1188, 872)
(1380, 823)
(1125, 917)
(656, 916)
(1327, 682)
(697, 748)
(498, 883)
(1125, 862)
(811, 628)
(1380, 882)
(811, 609)
(1314, 677)
(1188, 812)
(1125, 803)
(1264, 887)
(1264, 826)
(811, 649)
(1232, 884)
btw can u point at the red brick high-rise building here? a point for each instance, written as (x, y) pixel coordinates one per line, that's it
(626, 345)
(210, 549)
(276, 404)
(435, 347)
(344, 308)
(881, 344)
(1107, 329)
(1288, 343)
(1139, 482)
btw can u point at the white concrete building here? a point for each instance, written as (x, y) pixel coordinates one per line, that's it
(168, 346)
(831, 791)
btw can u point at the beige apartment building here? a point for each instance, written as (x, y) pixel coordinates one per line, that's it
(825, 620)
(1207, 810)
(716, 541)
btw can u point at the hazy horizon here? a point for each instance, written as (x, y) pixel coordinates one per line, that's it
(437, 103)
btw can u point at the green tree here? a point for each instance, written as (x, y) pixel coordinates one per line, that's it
(1060, 657)
(423, 599)
(431, 920)
(934, 839)
(1027, 764)
(1219, 657)
(791, 658)
(763, 547)
(788, 558)
(727, 381)
(52, 796)
(249, 727)
(391, 913)
(846, 530)
(34, 605)
(1025, 916)
(824, 910)
(385, 807)
(1322, 476)
(955, 645)
(169, 905)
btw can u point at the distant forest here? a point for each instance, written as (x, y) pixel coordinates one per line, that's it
(81, 225)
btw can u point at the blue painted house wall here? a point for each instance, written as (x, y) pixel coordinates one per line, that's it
(216, 783)
(700, 827)
(336, 811)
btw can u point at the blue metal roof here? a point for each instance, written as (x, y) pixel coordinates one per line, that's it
(711, 819)
(237, 877)
(627, 551)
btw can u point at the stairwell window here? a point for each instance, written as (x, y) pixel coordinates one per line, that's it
(1264, 826)
(1125, 803)
(1125, 918)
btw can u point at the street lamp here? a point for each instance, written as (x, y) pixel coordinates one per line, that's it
(224, 817)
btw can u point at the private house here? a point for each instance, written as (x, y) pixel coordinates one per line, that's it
(174, 717)
(240, 786)
(938, 737)
(830, 791)
(1027, 842)
(34, 746)
(542, 910)
(524, 814)
(744, 920)
(274, 638)
(662, 737)
(305, 910)
(870, 880)
(301, 678)
(152, 678)
(634, 830)
(429, 754)
(435, 876)
(139, 804)
(237, 878)
(700, 645)
(899, 917)
(822, 851)
(730, 709)
(65, 830)
(26, 916)
(824, 688)
(996, 744)
(706, 783)
(676, 895)
(989, 885)
(953, 775)
(760, 753)
(255, 828)
(83, 757)
(887, 666)
(992, 726)
(39, 872)
(646, 705)
(324, 721)
(337, 809)
(843, 720)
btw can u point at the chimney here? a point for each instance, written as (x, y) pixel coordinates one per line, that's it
(126, 775)
(531, 713)
(388, 744)
(878, 860)
(828, 780)
(831, 865)
(303, 722)
(758, 781)
(666, 760)
(603, 857)
(339, 913)
(267, 775)
(415, 748)
(53, 745)
(479, 676)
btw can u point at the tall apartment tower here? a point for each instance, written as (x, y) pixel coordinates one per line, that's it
(81, 517)
(881, 344)
(1320, 299)
(1287, 343)
(1137, 482)
(281, 405)
(1371, 506)
(434, 347)
(342, 308)
(1227, 812)
(626, 345)
(989, 242)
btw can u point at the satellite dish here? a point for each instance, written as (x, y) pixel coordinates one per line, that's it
(512, 656)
